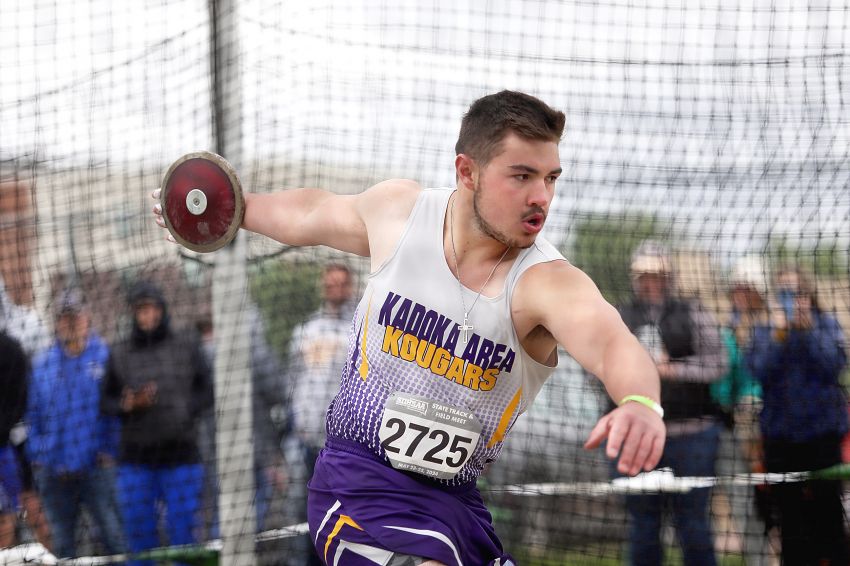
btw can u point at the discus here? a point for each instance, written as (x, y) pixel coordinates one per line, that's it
(202, 201)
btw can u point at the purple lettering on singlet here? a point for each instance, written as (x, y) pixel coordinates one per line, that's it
(508, 362)
(386, 312)
(496, 359)
(471, 348)
(438, 335)
(453, 337)
(426, 324)
(400, 320)
(484, 351)
(429, 322)
(414, 322)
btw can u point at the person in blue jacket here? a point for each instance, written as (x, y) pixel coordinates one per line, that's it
(71, 445)
(798, 356)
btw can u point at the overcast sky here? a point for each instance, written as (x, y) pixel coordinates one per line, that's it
(730, 118)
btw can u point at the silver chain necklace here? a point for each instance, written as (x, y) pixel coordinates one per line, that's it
(466, 327)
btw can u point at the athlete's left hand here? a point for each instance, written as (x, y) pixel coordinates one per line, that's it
(635, 433)
(157, 215)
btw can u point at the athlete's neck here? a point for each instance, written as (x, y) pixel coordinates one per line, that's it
(471, 245)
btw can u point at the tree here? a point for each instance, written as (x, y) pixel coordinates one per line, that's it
(286, 293)
(825, 258)
(602, 245)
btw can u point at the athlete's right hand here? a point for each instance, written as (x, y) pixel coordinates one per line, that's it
(157, 215)
(635, 437)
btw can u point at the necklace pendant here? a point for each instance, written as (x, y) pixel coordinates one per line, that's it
(465, 328)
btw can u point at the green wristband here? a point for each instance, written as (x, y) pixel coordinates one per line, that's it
(646, 402)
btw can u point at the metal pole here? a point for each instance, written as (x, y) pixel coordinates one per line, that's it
(233, 384)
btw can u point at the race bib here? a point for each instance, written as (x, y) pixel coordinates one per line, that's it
(430, 438)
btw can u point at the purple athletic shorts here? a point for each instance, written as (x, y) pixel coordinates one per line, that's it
(363, 512)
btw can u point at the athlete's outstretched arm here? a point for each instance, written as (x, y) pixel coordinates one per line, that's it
(308, 217)
(571, 308)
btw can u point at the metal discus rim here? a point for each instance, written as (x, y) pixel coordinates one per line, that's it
(238, 197)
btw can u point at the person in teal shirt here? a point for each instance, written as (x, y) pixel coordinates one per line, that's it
(739, 394)
(738, 387)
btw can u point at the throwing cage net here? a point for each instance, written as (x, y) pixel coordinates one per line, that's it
(717, 133)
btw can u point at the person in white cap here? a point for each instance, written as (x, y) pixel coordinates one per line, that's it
(685, 341)
(739, 395)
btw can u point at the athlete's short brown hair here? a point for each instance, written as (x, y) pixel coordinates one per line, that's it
(492, 117)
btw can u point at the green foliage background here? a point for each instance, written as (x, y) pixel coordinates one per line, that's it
(286, 292)
(602, 246)
(825, 258)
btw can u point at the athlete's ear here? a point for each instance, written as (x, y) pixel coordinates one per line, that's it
(466, 171)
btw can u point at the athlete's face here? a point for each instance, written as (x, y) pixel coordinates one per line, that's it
(514, 190)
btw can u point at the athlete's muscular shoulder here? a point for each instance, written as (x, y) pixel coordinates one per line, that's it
(384, 209)
(543, 287)
(389, 200)
(557, 303)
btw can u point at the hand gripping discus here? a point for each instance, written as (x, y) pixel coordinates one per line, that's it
(202, 201)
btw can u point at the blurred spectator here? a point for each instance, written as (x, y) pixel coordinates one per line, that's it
(14, 367)
(739, 391)
(158, 382)
(269, 400)
(24, 324)
(71, 445)
(317, 355)
(685, 342)
(798, 355)
(738, 394)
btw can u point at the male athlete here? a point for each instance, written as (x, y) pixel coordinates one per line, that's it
(455, 334)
